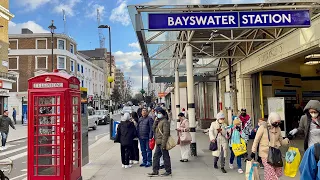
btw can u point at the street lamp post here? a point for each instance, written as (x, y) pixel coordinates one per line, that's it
(52, 28)
(110, 79)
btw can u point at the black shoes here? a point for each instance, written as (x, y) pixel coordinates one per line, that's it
(153, 174)
(215, 166)
(223, 170)
(166, 174)
(162, 167)
(184, 160)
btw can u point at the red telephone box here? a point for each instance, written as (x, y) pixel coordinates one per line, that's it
(54, 127)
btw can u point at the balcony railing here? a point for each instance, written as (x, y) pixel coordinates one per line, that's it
(8, 76)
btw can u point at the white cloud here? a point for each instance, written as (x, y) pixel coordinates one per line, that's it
(15, 28)
(32, 4)
(68, 6)
(91, 11)
(120, 14)
(135, 45)
(126, 56)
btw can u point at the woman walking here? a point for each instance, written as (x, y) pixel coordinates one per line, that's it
(217, 133)
(126, 132)
(269, 135)
(184, 137)
(134, 158)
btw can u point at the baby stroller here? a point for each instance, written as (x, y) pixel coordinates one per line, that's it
(5, 167)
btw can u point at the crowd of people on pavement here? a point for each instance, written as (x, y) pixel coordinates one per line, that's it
(151, 128)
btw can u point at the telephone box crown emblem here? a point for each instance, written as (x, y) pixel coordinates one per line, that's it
(48, 79)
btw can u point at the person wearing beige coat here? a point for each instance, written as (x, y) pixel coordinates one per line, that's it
(276, 140)
(218, 133)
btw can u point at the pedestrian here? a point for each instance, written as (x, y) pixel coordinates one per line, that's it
(217, 133)
(14, 115)
(246, 124)
(161, 129)
(153, 113)
(126, 132)
(269, 135)
(161, 158)
(184, 112)
(145, 134)
(139, 111)
(261, 122)
(5, 122)
(309, 166)
(310, 124)
(134, 159)
(236, 134)
(184, 145)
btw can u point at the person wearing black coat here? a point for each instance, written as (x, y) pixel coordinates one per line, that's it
(126, 132)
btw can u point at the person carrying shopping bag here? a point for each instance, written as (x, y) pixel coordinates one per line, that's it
(217, 134)
(235, 138)
(184, 137)
(270, 140)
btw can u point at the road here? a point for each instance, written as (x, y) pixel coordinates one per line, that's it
(17, 151)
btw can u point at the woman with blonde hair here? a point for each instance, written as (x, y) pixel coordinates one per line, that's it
(269, 136)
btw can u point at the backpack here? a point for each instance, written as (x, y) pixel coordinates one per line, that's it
(317, 151)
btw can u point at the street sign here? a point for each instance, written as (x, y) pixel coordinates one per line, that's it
(115, 127)
(229, 20)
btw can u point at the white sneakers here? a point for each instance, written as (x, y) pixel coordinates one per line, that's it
(135, 162)
(240, 171)
(3, 148)
(127, 166)
(231, 166)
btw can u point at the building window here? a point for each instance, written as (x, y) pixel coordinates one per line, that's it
(72, 65)
(41, 62)
(41, 43)
(82, 85)
(72, 48)
(85, 71)
(62, 44)
(61, 62)
(78, 69)
(82, 69)
(14, 63)
(14, 44)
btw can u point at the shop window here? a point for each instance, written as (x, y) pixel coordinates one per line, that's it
(41, 43)
(41, 62)
(61, 62)
(62, 44)
(13, 43)
(14, 63)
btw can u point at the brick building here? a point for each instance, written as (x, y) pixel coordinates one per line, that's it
(31, 55)
(6, 79)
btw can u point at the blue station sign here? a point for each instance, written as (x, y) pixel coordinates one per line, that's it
(229, 20)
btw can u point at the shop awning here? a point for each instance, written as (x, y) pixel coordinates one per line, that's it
(164, 49)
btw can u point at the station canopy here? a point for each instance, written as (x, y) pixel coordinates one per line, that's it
(163, 47)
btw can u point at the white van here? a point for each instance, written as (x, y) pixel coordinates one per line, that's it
(92, 119)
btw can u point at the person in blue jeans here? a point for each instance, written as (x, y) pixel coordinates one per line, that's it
(236, 134)
(145, 134)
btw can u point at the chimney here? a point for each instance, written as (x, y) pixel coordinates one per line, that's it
(26, 31)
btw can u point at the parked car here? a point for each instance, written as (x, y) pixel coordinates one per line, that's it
(103, 117)
(92, 119)
(127, 109)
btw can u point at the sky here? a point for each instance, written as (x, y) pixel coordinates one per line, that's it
(81, 20)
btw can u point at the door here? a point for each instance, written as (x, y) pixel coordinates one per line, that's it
(47, 146)
(76, 137)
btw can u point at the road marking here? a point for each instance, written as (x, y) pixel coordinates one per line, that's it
(15, 156)
(17, 177)
(97, 136)
(24, 170)
(12, 151)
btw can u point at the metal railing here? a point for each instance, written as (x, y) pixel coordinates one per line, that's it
(8, 76)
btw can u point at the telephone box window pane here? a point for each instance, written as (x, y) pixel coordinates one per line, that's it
(46, 170)
(75, 109)
(50, 100)
(46, 130)
(75, 100)
(47, 120)
(75, 118)
(58, 100)
(46, 160)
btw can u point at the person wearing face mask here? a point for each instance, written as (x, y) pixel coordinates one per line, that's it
(262, 140)
(309, 124)
(161, 129)
(236, 134)
(246, 123)
(218, 133)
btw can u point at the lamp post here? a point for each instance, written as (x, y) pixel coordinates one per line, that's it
(52, 28)
(110, 80)
(142, 90)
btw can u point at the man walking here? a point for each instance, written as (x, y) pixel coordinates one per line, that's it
(145, 133)
(14, 115)
(5, 121)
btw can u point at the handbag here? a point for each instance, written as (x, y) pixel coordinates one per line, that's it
(274, 155)
(152, 143)
(185, 137)
(171, 143)
(293, 158)
(252, 171)
(213, 145)
(239, 149)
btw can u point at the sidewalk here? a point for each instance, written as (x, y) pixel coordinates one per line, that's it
(21, 132)
(105, 163)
